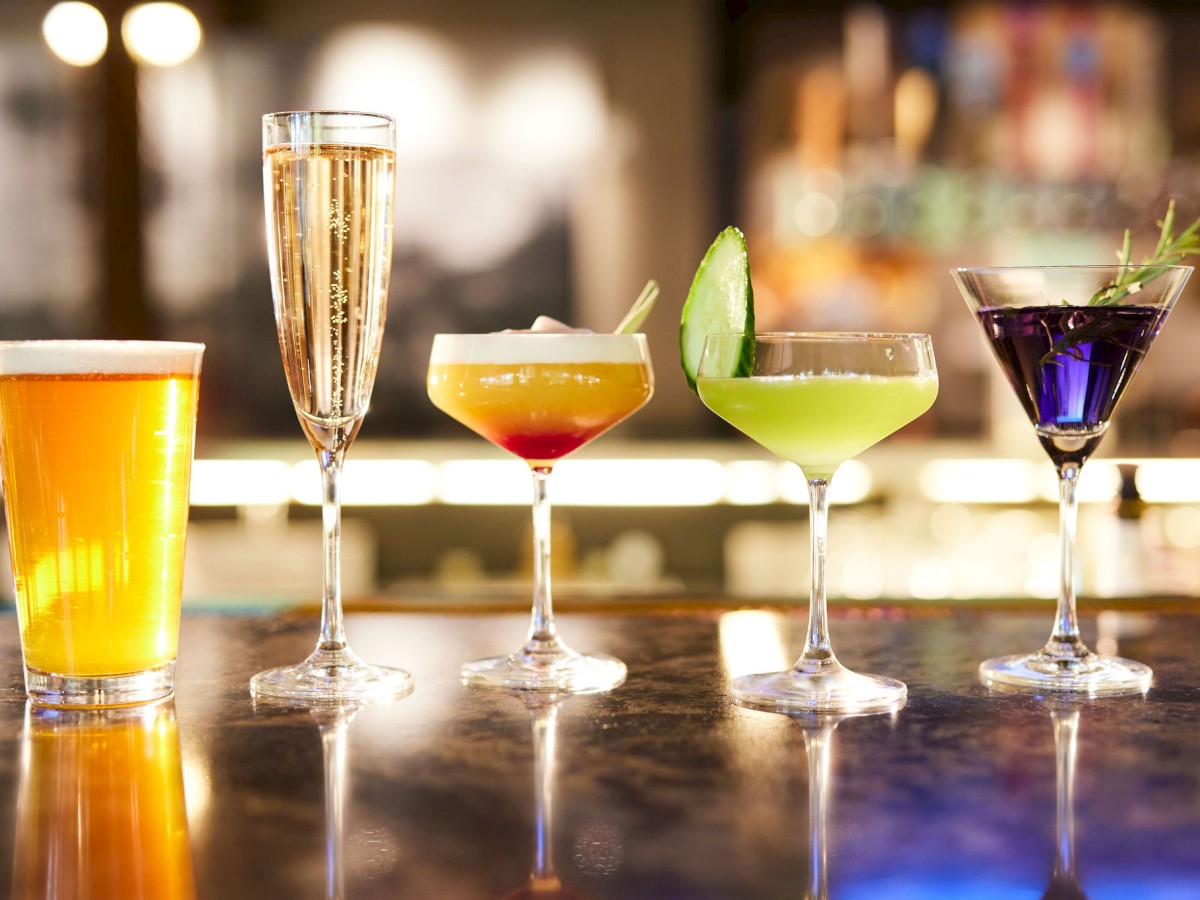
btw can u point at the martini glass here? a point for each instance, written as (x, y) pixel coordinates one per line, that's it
(1069, 345)
(540, 396)
(817, 400)
(328, 179)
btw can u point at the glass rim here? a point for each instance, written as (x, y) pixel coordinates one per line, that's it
(831, 336)
(535, 346)
(101, 344)
(542, 335)
(78, 357)
(286, 114)
(1086, 267)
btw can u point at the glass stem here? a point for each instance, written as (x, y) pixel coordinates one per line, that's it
(1064, 640)
(541, 625)
(333, 633)
(817, 648)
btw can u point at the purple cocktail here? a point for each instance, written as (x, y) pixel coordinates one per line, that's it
(1069, 366)
(1070, 339)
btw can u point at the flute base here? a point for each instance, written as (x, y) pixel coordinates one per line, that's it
(562, 670)
(332, 676)
(1085, 673)
(818, 687)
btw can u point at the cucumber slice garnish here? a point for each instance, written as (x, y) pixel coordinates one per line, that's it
(720, 300)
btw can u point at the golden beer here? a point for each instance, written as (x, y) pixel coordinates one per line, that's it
(96, 442)
(101, 813)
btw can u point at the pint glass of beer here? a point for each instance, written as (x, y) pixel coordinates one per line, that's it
(96, 445)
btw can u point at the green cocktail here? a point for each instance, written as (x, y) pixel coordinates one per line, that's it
(818, 421)
(818, 400)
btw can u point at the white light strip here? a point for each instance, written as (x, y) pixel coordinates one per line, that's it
(751, 482)
(369, 482)
(851, 483)
(506, 482)
(485, 482)
(590, 482)
(638, 482)
(1169, 480)
(656, 481)
(1099, 482)
(984, 480)
(1014, 481)
(240, 482)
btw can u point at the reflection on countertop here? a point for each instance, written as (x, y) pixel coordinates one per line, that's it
(662, 787)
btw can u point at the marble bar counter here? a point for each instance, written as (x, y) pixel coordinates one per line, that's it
(658, 790)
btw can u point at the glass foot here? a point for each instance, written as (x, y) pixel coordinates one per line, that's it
(566, 671)
(822, 687)
(1085, 674)
(333, 676)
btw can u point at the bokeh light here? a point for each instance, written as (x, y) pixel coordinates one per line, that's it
(161, 34)
(76, 33)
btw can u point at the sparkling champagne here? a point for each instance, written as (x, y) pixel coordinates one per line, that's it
(328, 178)
(329, 227)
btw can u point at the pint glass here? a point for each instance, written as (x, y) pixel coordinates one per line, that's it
(96, 445)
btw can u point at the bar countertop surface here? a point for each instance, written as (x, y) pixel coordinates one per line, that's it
(661, 788)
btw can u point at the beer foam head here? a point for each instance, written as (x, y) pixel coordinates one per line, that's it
(99, 357)
(514, 348)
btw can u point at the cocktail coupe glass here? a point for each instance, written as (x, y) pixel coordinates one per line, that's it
(817, 400)
(541, 396)
(328, 179)
(1069, 344)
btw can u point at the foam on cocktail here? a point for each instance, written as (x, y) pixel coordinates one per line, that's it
(536, 347)
(96, 357)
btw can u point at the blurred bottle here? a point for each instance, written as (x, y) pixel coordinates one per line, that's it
(101, 812)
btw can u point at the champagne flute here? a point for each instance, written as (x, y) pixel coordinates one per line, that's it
(1069, 342)
(816, 400)
(328, 179)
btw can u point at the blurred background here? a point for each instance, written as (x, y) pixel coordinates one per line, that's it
(554, 156)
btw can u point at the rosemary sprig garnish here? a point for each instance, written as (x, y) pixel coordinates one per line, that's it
(1169, 250)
